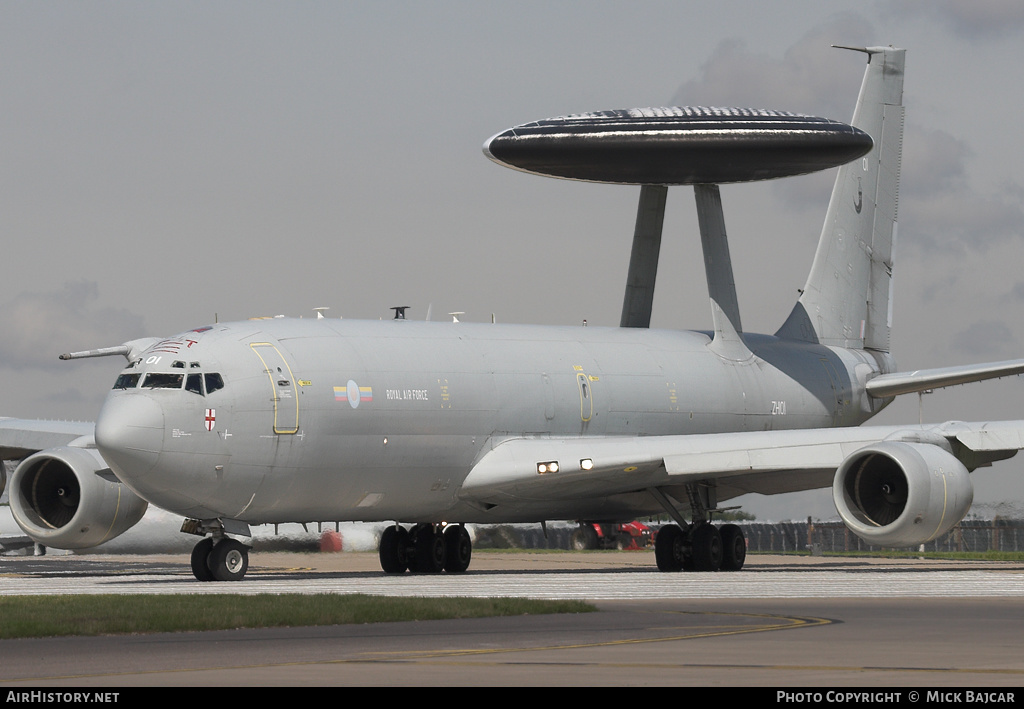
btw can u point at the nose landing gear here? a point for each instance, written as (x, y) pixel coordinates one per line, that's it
(221, 560)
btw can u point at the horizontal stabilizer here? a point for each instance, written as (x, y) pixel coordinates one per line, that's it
(887, 385)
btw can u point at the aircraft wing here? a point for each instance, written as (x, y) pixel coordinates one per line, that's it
(21, 437)
(766, 462)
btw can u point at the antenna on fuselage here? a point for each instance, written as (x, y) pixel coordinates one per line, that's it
(659, 147)
(320, 311)
(400, 311)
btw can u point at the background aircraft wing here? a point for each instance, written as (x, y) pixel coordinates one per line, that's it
(21, 437)
(766, 462)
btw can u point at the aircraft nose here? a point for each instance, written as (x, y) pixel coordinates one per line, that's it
(130, 433)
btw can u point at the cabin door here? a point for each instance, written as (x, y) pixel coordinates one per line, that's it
(282, 384)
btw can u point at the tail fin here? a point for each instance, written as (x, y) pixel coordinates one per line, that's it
(847, 301)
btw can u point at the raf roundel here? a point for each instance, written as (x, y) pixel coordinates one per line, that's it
(678, 146)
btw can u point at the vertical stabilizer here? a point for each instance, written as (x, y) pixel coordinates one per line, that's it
(847, 301)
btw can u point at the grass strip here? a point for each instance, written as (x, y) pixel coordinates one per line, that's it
(49, 616)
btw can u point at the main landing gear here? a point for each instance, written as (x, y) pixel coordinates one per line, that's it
(425, 548)
(700, 547)
(220, 560)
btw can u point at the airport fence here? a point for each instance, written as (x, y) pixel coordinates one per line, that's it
(781, 537)
(968, 536)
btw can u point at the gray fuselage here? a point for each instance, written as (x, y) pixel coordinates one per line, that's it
(324, 420)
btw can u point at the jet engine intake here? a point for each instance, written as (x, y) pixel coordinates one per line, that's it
(58, 499)
(896, 493)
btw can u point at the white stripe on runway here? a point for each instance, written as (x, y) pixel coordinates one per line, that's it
(561, 585)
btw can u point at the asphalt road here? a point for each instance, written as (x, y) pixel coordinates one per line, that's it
(783, 621)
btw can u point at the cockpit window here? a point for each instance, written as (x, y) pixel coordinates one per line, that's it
(127, 381)
(194, 384)
(214, 382)
(160, 380)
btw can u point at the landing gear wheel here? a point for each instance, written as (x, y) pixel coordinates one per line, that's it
(668, 548)
(429, 549)
(734, 547)
(394, 546)
(707, 548)
(229, 560)
(201, 559)
(458, 549)
(584, 538)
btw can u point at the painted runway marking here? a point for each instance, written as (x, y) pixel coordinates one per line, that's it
(550, 585)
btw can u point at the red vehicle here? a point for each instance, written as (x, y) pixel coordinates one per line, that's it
(630, 535)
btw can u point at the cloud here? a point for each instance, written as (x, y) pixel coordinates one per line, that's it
(978, 20)
(990, 336)
(933, 162)
(36, 327)
(938, 203)
(805, 80)
(811, 78)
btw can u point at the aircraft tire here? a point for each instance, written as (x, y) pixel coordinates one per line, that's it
(668, 548)
(458, 549)
(584, 538)
(393, 551)
(429, 550)
(201, 560)
(229, 560)
(707, 548)
(734, 547)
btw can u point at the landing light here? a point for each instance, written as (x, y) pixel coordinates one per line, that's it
(586, 464)
(550, 466)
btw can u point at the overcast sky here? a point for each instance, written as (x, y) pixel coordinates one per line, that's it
(163, 164)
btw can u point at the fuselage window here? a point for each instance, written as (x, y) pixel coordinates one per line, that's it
(214, 382)
(160, 380)
(127, 381)
(194, 384)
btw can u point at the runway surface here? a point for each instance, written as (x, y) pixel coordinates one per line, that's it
(783, 621)
(590, 576)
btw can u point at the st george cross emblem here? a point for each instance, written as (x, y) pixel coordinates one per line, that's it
(211, 418)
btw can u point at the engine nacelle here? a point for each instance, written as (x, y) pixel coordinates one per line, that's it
(58, 499)
(895, 493)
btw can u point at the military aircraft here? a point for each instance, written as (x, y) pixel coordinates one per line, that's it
(429, 426)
